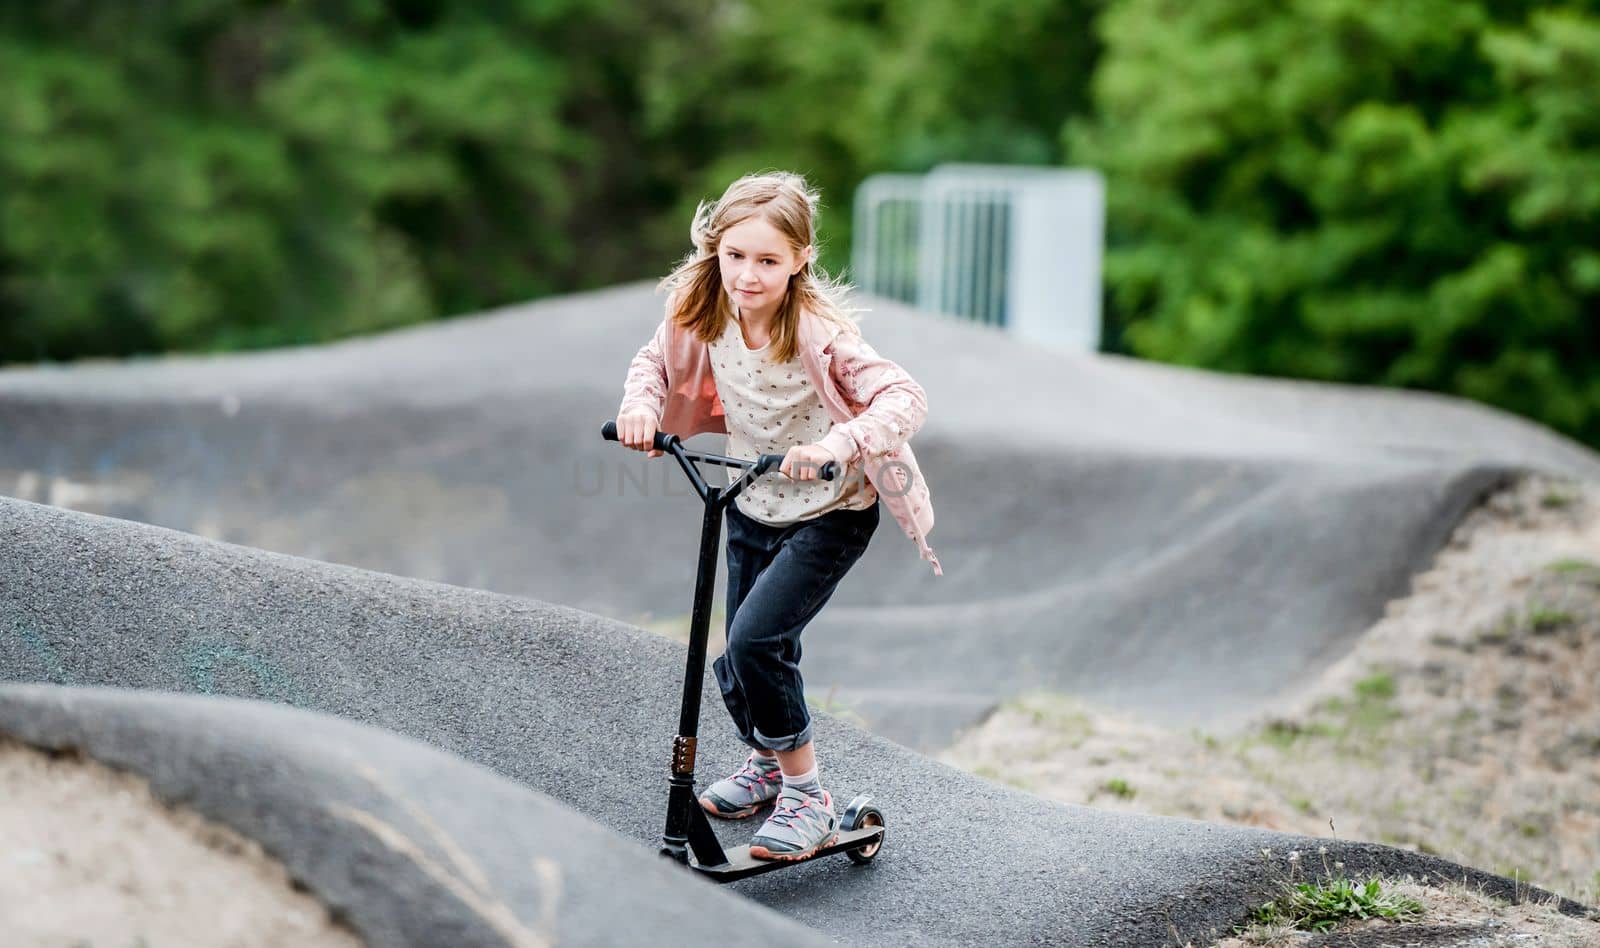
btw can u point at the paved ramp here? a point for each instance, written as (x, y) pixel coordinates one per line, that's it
(571, 705)
(1178, 544)
(410, 845)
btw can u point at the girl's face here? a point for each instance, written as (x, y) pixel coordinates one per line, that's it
(756, 263)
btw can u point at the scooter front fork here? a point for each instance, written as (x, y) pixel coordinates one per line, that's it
(687, 825)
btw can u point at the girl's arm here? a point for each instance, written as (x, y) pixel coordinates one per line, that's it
(893, 404)
(646, 385)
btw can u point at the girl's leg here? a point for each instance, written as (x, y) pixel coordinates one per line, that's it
(764, 649)
(801, 760)
(763, 654)
(751, 548)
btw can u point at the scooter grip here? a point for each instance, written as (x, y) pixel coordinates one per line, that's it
(771, 462)
(662, 442)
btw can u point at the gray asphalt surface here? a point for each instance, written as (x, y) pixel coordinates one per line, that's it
(582, 708)
(1181, 545)
(409, 845)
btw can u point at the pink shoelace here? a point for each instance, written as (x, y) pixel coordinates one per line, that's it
(786, 812)
(753, 776)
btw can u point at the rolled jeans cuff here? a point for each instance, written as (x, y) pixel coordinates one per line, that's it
(792, 742)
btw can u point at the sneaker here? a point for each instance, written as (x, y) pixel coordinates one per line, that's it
(743, 793)
(797, 828)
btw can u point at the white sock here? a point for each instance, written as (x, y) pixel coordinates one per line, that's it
(806, 783)
(765, 762)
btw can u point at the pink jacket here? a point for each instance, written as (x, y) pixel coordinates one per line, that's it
(874, 405)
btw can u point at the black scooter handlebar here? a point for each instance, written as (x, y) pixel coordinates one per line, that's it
(768, 462)
(663, 441)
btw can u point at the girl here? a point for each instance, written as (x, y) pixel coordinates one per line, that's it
(756, 343)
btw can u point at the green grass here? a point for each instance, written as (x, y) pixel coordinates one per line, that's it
(1379, 687)
(1543, 620)
(1556, 500)
(1321, 906)
(1118, 787)
(1569, 567)
(1372, 711)
(1356, 726)
(1352, 723)
(1283, 733)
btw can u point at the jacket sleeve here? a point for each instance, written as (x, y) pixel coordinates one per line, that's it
(646, 385)
(890, 406)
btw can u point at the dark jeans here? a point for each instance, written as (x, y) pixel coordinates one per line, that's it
(778, 579)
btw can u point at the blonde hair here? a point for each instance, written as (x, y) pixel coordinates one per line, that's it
(696, 300)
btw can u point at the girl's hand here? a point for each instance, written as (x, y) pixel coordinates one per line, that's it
(803, 462)
(637, 430)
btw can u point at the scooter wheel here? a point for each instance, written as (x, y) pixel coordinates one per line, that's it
(861, 817)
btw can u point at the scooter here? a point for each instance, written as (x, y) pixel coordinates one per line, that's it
(861, 826)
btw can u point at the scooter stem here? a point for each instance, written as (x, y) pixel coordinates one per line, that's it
(686, 822)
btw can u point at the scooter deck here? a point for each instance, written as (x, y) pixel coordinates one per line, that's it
(742, 865)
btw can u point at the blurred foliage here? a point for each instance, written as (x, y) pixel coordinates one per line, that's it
(1404, 194)
(840, 89)
(214, 174)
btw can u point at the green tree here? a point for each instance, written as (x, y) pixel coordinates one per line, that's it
(225, 174)
(1402, 194)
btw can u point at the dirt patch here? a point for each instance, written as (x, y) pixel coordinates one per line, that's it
(1465, 723)
(93, 859)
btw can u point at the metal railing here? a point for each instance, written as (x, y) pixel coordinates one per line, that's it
(1006, 245)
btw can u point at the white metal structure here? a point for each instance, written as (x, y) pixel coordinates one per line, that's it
(1008, 245)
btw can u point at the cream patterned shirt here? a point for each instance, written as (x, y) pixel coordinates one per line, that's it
(769, 409)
